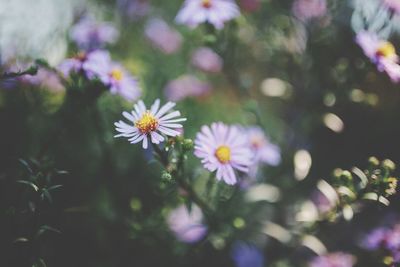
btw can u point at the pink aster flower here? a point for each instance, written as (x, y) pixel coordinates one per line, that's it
(162, 36)
(393, 4)
(215, 12)
(381, 52)
(309, 9)
(338, 259)
(186, 86)
(150, 123)
(187, 225)
(207, 60)
(99, 65)
(223, 149)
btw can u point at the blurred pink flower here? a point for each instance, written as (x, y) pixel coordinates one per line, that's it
(250, 5)
(187, 225)
(186, 86)
(162, 36)
(381, 52)
(224, 149)
(89, 34)
(215, 12)
(207, 60)
(309, 9)
(264, 151)
(338, 259)
(393, 4)
(44, 78)
(134, 9)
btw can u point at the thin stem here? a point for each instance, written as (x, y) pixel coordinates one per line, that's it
(179, 176)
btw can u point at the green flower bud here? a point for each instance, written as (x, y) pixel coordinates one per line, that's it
(187, 144)
(347, 175)
(388, 164)
(373, 161)
(166, 177)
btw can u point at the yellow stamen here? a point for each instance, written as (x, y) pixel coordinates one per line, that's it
(206, 3)
(117, 74)
(223, 154)
(147, 123)
(386, 50)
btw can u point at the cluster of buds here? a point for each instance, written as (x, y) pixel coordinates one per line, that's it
(375, 183)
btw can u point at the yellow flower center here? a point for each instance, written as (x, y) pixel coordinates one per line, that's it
(147, 123)
(386, 50)
(117, 74)
(206, 3)
(223, 154)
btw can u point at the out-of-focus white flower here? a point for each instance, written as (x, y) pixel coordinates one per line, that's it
(162, 36)
(34, 29)
(215, 12)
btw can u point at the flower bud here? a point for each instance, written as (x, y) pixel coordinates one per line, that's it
(388, 164)
(166, 177)
(373, 161)
(187, 144)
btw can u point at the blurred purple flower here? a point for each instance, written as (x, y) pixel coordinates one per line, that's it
(147, 124)
(393, 4)
(215, 12)
(162, 36)
(89, 34)
(98, 64)
(250, 5)
(186, 86)
(72, 65)
(338, 259)
(187, 225)
(223, 149)
(207, 60)
(322, 203)
(247, 255)
(375, 239)
(309, 9)
(264, 151)
(381, 52)
(134, 9)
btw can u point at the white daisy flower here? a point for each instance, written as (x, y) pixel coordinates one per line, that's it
(145, 124)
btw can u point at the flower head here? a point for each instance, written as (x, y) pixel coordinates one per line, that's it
(223, 149)
(207, 60)
(149, 123)
(98, 65)
(380, 52)
(187, 225)
(89, 34)
(338, 259)
(215, 12)
(162, 36)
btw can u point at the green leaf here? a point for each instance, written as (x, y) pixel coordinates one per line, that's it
(54, 187)
(39, 263)
(35, 187)
(45, 228)
(46, 193)
(26, 165)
